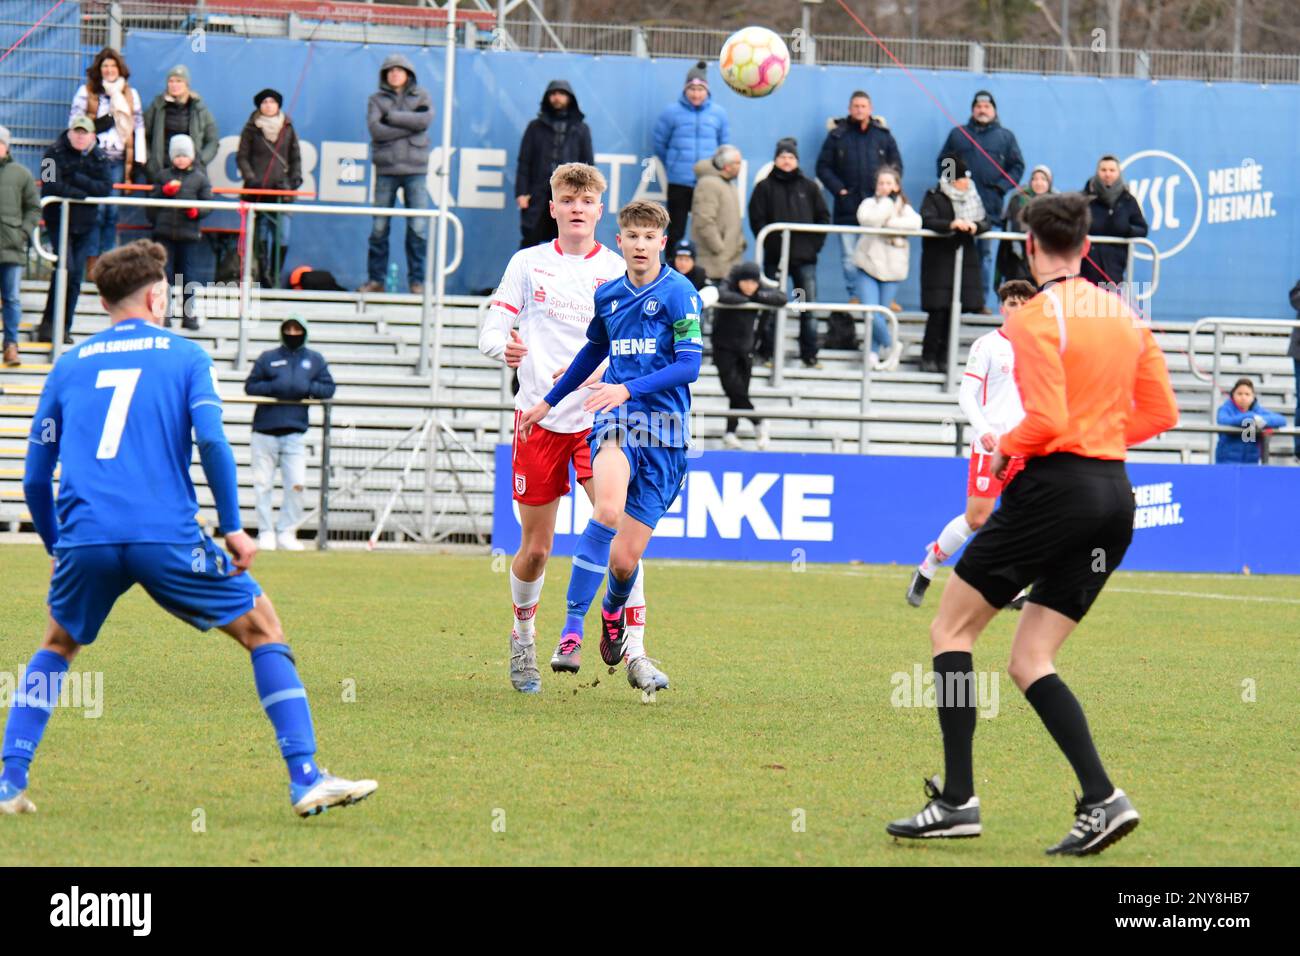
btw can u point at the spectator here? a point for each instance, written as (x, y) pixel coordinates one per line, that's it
(787, 195)
(883, 262)
(1011, 264)
(175, 229)
(79, 169)
(854, 149)
(1242, 410)
(715, 213)
(114, 105)
(687, 133)
(1293, 350)
(954, 208)
(289, 373)
(398, 117)
(996, 166)
(1115, 212)
(20, 211)
(684, 262)
(734, 342)
(179, 110)
(557, 136)
(269, 158)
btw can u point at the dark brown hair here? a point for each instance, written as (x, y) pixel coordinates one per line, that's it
(127, 269)
(94, 82)
(898, 178)
(1058, 221)
(1016, 289)
(1250, 385)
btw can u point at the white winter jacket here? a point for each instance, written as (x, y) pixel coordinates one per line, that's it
(885, 258)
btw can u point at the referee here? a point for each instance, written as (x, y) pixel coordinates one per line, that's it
(1093, 382)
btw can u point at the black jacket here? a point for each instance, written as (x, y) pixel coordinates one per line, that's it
(289, 375)
(939, 255)
(849, 159)
(789, 197)
(733, 329)
(1125, 221)
(266, 166)
(1293, 348)
(173, 223)
(75, 175)
(551, 140)
(1000, 144)
(1011, 262)
(697, 277)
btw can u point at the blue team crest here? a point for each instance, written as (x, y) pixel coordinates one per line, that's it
(651, 306)
(306, 363)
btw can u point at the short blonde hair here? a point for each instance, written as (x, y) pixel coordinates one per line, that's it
(578, 177)
(643, 212)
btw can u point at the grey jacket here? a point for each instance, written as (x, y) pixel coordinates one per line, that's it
(715, 221)
(398, 121)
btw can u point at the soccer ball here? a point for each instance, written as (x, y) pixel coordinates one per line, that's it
(754, 61)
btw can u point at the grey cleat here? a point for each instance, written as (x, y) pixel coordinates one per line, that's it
(645, 677)
(916, 590)
(523, 666)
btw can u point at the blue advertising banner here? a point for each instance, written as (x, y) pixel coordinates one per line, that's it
(1208, 162)
(749, 506)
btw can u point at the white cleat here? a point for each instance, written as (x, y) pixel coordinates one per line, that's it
(288, 541)
(329, 791)
(13, 802)
(645, 677)
(266, 541)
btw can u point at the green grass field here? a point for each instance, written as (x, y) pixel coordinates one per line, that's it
(780, 712)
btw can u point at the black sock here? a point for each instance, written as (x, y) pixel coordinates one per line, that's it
(954, 684)
(1060, 712)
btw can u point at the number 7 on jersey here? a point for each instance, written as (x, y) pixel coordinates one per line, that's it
(122, 381)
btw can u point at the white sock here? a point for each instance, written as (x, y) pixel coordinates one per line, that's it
(525, 595)
(951, 538)
(634, 616)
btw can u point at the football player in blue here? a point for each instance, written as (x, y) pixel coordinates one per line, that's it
(648, 324)
(117, 412)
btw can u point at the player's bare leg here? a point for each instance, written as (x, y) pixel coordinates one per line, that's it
(312, 789)
(527, 575)
(30, 712)
(952, 537)
(1104, 814)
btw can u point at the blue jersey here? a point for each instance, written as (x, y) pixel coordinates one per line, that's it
(119, 410)
(644, 330)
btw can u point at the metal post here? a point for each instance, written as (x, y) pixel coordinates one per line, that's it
(1065, 35)
(865, 403)
(245, 289)
(1214, 388)
(806, 40)
(323, 526)
(115, 25)
(778, 330)
(60, 285)
(1129, 275)
(444, 201)
(954, 321)
(640, 49)
(1236, 43)
(976, 57)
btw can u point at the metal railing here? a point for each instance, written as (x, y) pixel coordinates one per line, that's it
(955, 313)
(1211, 378)
(433, 292)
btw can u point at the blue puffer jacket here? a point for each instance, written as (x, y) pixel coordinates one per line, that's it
(1232, 448)
(289, 375)
(685, 134)
(999, 143)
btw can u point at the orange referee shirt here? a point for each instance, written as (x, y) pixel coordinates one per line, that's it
(1092, 379)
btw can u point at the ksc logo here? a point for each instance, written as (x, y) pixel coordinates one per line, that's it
(1170, 196)
(651, 306)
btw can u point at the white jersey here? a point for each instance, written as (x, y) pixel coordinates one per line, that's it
(550, 294)
(989, 395)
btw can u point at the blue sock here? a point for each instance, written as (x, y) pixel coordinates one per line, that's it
(34, 699)
(285, 701)
(590, 562)
(616, 591)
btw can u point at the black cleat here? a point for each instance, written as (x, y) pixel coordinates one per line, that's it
(568, 655)
(939, 819)
(613, 638)
(916, 590)
(1098, 825)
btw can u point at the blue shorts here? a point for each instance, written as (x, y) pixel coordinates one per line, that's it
(658, 473)
(192, 581)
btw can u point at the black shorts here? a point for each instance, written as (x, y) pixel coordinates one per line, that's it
(1063, 526)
